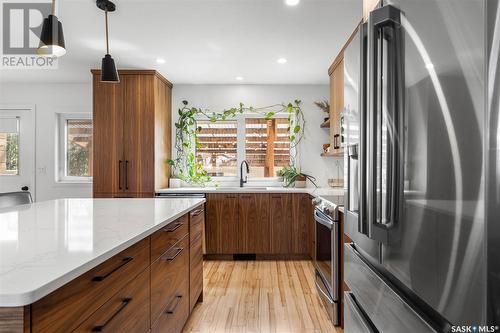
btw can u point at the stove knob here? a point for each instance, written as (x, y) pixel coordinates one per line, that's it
(327, 211)
(316, 201)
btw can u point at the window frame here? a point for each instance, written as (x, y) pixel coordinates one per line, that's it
(241, 149)
(62, 148)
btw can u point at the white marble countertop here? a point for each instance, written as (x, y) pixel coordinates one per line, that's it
(45, 245)
(320, 191)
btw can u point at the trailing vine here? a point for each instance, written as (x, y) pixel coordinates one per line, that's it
(187, 168)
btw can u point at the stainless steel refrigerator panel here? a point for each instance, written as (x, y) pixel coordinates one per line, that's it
(493, 164)
(354, 319)
(383, 305)
(440, 253)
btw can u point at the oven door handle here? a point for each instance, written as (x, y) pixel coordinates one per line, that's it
(324, 221)
(318, 287)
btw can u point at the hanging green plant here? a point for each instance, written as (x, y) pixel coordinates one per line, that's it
(187, 168)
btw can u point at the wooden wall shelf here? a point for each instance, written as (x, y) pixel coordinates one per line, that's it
(337, 153)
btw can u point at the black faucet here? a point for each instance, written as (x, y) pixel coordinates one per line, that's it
(241, 173)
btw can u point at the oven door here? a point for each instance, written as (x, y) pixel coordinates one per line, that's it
(327, 252)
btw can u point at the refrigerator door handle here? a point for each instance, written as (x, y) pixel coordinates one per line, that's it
(362, 151)
(385, 123)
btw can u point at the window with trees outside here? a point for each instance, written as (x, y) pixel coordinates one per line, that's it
(9, 146)
(75, 148)
(263, 143)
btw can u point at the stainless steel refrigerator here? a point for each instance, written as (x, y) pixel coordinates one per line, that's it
(421, 158)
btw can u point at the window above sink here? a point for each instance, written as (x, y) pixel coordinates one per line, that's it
(263, 143)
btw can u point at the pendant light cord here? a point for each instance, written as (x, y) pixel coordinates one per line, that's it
(107, 42)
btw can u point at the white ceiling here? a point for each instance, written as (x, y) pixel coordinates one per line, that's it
(204, 41)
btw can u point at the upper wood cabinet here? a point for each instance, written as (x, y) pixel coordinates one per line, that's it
(132, 134)
(336, 73)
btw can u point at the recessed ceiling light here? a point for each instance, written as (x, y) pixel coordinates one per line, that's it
(282, 61)
(292, 2)
(239, 78)
(160, 60)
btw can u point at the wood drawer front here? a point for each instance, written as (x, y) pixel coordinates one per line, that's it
(127, 311)
(167, 273)
(196, 272)
(165, 238)
(175, 315)
(196, 227)
(67, 307)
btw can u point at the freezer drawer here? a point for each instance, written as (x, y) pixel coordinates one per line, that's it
(382, 304)
(354, 319)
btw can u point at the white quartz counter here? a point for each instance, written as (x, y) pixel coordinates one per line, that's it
(45, 245)
(320, 191)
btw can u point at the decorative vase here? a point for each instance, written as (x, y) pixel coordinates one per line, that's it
(300, 182)
(174, 182)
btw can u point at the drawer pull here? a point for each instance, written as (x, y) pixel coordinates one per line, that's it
(197, 212)
(173, 228)
(177, 252)
(177, 300)
(100, 328)
(125, 261)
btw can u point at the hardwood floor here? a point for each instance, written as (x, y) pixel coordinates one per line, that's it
(259, 296)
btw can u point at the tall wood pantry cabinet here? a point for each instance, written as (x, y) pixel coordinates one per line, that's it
(132, 134)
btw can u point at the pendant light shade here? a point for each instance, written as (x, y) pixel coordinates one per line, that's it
(108, 67)
(108, 70)
(52, 36)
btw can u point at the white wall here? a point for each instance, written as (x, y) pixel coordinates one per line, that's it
(48, 100)
(219, 97)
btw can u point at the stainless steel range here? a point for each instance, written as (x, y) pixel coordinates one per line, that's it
(326, 256)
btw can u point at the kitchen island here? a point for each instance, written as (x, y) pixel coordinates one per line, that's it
(94, 264)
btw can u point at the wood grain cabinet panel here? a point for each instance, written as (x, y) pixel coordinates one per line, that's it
(222, 223)
(301, 215)
(132, 124)
(281, 223)
(64, 309)
(167, 274)
(196, 235)
(175, 315)
(108, 134)
(254, 228)
(127, 311)
(165, 238)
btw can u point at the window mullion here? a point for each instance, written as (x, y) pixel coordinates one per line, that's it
(240, 144)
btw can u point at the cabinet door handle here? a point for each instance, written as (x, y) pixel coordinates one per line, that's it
(120, 174)
(173, 228)
(197, 212)
(100, 328)
(126, 174)
(125, 261)
(172, 257)
(177, 301)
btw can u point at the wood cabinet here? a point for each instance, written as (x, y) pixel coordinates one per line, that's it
(281, 223)
(222, 223)
(254, 230)
(196, 235)
(146, 287)
(336, 73)
(132, 134)
(258, 223)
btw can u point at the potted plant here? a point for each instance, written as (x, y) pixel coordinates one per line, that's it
(292, 177)
(324, 106)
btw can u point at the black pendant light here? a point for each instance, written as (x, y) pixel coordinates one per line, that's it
(52, 36)
(108, 68)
